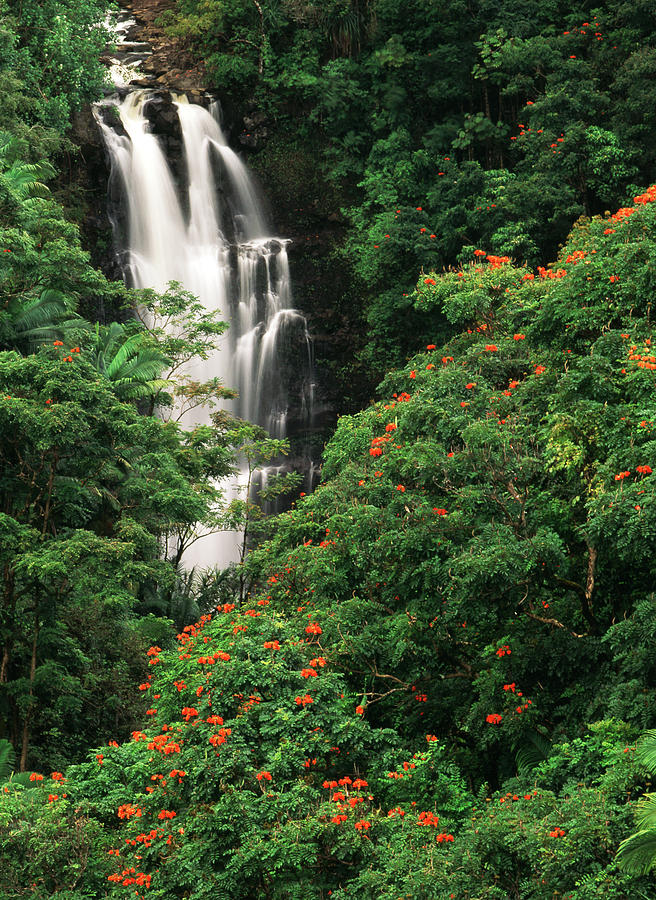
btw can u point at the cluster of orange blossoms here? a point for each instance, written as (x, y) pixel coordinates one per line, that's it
(131, 876)
(550, 273)
(497, 261)
(127, 810)
(221, 737)
(376, 448)
(429, 819)
(643, 360)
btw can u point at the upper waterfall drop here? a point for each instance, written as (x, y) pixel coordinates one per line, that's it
(207, 231)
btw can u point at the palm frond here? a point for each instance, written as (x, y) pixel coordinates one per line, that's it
(646, 749)
(532, 753)
(637, 853)
(136, 359)
(35, 320)
(131, 362)
(139, 390)
(38, 312)
(25, 180)
(7, 760)
(8, 145)
(646, 812)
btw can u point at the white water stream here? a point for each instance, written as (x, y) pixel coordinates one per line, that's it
(211, 236)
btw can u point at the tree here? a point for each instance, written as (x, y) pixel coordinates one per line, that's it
(90, 491)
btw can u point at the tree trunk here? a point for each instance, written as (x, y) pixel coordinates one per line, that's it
(25, 740)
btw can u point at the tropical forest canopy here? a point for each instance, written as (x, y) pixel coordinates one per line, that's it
(432, 676)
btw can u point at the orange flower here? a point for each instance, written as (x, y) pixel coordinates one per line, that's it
(127, 810)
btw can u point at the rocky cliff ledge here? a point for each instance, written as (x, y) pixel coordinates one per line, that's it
(170, 65)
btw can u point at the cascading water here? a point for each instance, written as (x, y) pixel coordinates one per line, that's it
(211, 236)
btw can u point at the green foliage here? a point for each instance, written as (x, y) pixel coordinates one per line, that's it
(48, 848)
(389, 696)
(500, 125)
(91, 492)
(131, 362)
(177, 329)
(7, 759)
(473, 527)
(55, 50)
(637, 853)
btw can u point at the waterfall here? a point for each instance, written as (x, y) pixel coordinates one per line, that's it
(210, 235)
